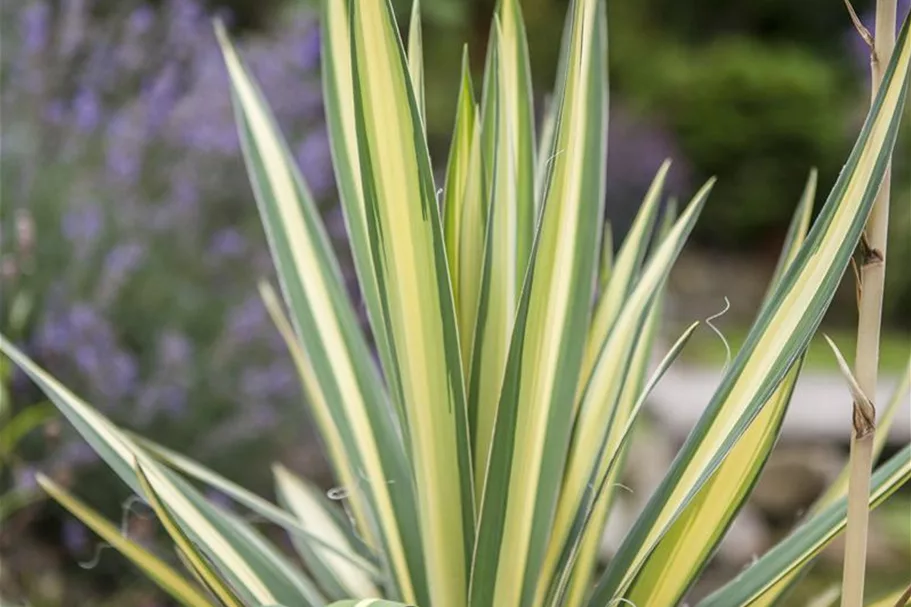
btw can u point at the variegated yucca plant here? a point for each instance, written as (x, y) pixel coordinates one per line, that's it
(478, 460)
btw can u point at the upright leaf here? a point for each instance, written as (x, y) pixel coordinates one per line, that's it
(416, 57)
(624, 272)
(346, 394)
(409, 259)
(533, 420)
(500, 280)
(640, 359)
(683, 551)
(464, 212)
(600, 418)
(338, 94)
(518, 113)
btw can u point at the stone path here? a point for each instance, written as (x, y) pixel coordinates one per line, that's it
(820, 407)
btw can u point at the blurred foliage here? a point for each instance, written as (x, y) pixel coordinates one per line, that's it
(757, 116)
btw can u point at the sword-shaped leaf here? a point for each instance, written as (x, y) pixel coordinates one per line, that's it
(337, 576)
(342, 385)
(599, 418)
(780, 335)
(534, 416)
(409, 259)
(683, 551)
(156, 569)
(808, 540)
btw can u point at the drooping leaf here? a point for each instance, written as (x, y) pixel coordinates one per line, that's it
(156, 569)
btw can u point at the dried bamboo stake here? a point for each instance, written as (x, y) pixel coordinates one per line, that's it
(866, 365)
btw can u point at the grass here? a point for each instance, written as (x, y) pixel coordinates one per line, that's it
(706, 349)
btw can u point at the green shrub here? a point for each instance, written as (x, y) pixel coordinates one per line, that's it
(756, 115)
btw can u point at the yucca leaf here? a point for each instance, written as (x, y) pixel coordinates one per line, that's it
(685, 548)
(383, 492)
(228, 544)
(586, 560)
(839, 487)
(344, 390)
(797, 232)
(464, 211)
(589, 551)
(104, 438)
(781, 333)
(607, 257)
(292, 524)
(545, 151)
(533, 422)
(808, 540)
(368, 603)
(174, 584)
(612, 454)
(500, 278)
(624, 272)
(599, 418)
(898, 598)
(257, 571)
(409, 259)
(338, 95)
(519, 117)
(204, 572)
(416, 56)
(337, 576)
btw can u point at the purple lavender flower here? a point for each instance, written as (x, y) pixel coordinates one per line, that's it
(174, 350)
(310, 45)
(54, 112)
(82, 225)
(245, 321)
(86, 110)
(53, 335)
(227, 244)
(161, 96)
(316, 167)
(119, 264)
(74, 536)
(121, 376)
(73, 26)
(140, 20)
(24, 478)
(123, 143)
(35, 25)
(149, 167)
